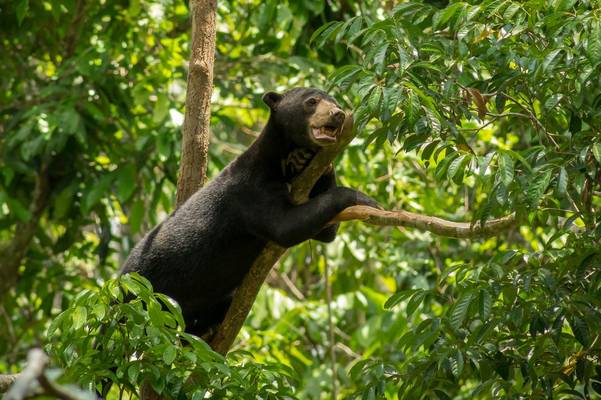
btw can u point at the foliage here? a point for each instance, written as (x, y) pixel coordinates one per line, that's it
(465, 110)
(104, 337)
(501, 97)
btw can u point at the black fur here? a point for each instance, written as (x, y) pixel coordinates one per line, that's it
(201, 252)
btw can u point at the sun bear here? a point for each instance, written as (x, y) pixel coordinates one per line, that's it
(202, 251)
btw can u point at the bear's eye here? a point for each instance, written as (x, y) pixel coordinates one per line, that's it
(311, 101)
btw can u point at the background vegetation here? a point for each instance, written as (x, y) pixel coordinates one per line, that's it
(466, 110)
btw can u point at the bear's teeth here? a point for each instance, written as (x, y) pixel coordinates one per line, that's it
(324, 134)
(328, 131)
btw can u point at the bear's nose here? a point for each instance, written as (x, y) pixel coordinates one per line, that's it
(338, 114)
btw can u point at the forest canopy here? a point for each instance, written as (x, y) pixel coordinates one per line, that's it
(464, 110)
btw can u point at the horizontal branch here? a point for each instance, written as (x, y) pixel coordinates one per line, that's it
(435, 225)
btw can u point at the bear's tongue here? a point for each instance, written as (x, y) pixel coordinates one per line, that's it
(325, 133)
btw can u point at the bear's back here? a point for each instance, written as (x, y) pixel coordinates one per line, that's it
(202, 247)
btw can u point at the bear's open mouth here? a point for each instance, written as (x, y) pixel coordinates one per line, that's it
(326, 133)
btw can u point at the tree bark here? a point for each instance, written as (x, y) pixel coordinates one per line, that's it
(435, 225)
(195, 140)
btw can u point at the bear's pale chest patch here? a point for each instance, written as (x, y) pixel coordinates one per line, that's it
(296, 161)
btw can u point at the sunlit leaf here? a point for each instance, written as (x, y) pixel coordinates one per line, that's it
(596, 147)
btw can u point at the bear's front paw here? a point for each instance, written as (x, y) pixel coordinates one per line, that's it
(364, 200)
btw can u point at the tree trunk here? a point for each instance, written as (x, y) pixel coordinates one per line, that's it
(195, 132)
(195, 141)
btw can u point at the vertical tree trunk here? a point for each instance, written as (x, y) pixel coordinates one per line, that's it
(195, 141)
(195, 132)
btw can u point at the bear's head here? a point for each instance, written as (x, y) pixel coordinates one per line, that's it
(310, 118)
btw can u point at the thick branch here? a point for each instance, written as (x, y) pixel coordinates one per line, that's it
(435, 225)
(195, 141)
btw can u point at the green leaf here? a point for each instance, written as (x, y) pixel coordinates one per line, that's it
(537, 188)
(99, 310)
(345, 76)
(562, 181)
(549, 60)
(596, 385)
(412, 107)
(136, 214)
(485, 163)
(161, 108)
(169, 354)
(580, 329)
(126, 182)
(22, 8)
(373, 102)
(321, 35)
(443, 166)
(596, 148)
(593, 49)
(575, 123)
(454, 166)
(459, 312)
(505, 170)
(155, 313)
(500, 100)
(500, 193)
(354, 31)
(398, 297)
(428, 150)
(132, 373)
(485, 304)
(70, 120)
(15, 207)
(444, 16)
(380, 57)
(79, 317)
(552, 101)
(63, 202)
(415, 301)
(510, 11)
(97, 190)
(343, 29)
(457, 363)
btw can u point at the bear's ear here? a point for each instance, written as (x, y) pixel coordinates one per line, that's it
(272, 99)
